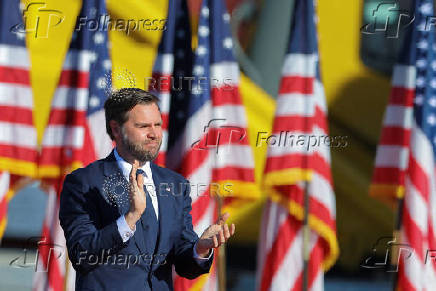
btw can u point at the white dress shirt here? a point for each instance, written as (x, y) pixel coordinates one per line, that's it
(123, 228)
(148, 179)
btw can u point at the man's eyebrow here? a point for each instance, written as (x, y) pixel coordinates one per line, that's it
(147, 123)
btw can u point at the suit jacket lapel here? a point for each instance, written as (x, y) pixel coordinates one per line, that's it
(165, 204)
(110, 167)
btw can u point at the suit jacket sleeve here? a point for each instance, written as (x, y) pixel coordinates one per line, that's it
(185, 264)
(77, 217)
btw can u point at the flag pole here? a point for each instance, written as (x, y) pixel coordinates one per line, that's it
(306, 238)
(67, 270)
(395, 247)
(221, 253)
(306, 228)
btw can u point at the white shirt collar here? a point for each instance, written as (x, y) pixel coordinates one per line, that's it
(127, 167)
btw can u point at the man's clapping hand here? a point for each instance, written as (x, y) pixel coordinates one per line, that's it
(214, 236)
(138, 201)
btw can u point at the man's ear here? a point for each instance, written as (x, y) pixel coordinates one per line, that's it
(116, 129)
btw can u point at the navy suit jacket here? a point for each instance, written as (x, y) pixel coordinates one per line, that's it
(96, 250)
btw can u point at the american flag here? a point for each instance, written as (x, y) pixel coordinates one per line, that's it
(301, 111)
(405, 160)
(53, 270)
(208, 141)
(18, 140)
(74, 136)
(77, 112)
(162, 74)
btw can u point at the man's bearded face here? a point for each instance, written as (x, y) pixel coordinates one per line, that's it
(142, 132)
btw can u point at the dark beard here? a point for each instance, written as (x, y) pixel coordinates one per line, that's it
(136, 151)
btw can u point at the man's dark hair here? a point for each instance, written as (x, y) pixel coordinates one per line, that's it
(122, 101)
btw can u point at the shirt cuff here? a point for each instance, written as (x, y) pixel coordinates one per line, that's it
(198, 258)
(124, 229)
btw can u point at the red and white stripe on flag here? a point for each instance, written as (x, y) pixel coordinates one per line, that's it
(230, 162)
(18, 141)
(74, 136)
(67, 140)
(68, 143)
(64, 148)
(53, 270)
(161, 86)
(216, 155)
(405, 160)
(301, 111)
(197, 167)
(404, 168)
(232, 165)
(392, 156)
(280, 252)
(418, 229)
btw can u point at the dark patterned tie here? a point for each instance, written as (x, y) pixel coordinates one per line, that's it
(149, 221)
(147, 195)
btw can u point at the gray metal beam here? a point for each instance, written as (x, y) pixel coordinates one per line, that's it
(270, 43)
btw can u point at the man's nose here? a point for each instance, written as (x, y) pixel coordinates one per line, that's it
(152, 133)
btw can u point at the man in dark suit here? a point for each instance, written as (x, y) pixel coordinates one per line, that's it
(121, 233)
